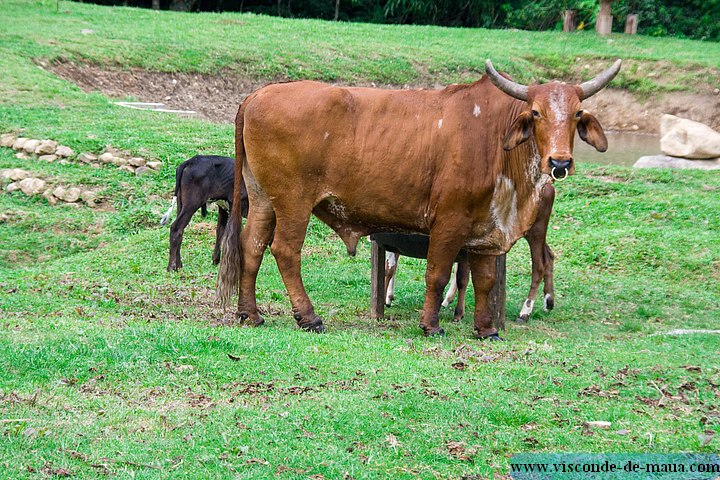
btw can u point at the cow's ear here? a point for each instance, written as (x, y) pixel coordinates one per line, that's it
(591, 132)
(519, 131)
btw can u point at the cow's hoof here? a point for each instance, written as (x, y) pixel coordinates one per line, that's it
(432, 332)
(522, 319)
(174, 268)
(314, 325)
(549, 303)
(250, 320)
(491, 338)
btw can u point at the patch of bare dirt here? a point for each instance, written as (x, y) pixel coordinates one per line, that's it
(217, 97)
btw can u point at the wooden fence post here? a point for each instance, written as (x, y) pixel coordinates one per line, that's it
(603, 23)
(377, 280)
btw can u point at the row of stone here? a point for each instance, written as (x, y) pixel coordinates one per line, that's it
(50, 151)
(23, 181)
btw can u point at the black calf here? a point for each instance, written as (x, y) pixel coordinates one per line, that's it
(201, 179)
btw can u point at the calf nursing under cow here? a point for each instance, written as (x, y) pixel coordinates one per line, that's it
(474, 160)
(541, 255)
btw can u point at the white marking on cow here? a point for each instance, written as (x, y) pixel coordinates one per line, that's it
(503, 207)
(390, 294)
(476, 110)
(527, 308)
(325, 137)
(440, 123)
(166, 217)
(391, 259)
(545, 301)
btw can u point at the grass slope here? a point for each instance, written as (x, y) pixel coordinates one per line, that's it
(111, 366)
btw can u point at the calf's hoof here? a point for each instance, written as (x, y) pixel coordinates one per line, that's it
(493, 337)
(314, 325)
(249, 320)
(549, 302)
(432, 332)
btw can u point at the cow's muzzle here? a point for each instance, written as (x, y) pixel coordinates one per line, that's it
(559, 169)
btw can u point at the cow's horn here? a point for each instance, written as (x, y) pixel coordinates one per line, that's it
(591, 87)
(508, 86)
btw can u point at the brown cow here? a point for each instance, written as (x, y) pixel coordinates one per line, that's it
(474, 161)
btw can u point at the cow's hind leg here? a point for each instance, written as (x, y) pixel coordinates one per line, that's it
(286, 247)
(254, 239)
(548, 282)
(219, 232)
(483, 276)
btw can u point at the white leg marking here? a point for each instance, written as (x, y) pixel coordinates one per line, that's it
(391, 260)
(450, 295)
(390, 294)
(527, 308)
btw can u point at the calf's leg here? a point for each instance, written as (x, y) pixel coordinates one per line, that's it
(219, 232)
(391, 264)
(176, 234)
(462, 278)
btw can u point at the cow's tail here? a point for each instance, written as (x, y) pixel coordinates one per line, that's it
(178, 177)
(230, 269)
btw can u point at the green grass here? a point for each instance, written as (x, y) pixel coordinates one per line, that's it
(111, 366)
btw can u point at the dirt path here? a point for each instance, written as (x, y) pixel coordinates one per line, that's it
(216, 98)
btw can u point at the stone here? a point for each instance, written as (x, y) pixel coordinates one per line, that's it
(127, 168)
(32, 186)
(137, 162)
(7, 140)
(19, 142)
(59, 192)
(22, 155)
(12, 187)
(87, 158)
(106, 158)
(119, 161)
(63, 151)
(48, 158)
(89, 197)
(15, 174)
(688, 139)
(599, 424)
(31, 145)
(664, 161)
(72, 195)
(46, 147)
(154, 165)
(52, 200)
(143, 171)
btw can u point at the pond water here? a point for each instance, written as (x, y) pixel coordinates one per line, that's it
(624, 148)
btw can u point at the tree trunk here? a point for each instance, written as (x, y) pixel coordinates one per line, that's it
(631, 24)
(603, 24)
(156, 4)
(337, 10)
(570, 21)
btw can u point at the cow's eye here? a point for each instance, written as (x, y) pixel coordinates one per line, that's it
(535, 113)
(579, 114)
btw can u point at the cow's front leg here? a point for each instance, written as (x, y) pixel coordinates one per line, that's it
(441, 254)
(286, 247)
(482, 268)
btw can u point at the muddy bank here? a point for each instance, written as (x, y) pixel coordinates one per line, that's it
(216, 98)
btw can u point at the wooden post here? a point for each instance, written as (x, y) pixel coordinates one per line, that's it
(631, 24)
(377, 280)
(603, 23)
(570, 21)
(496, 298)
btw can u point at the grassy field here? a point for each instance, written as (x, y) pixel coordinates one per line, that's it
(111, 366)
